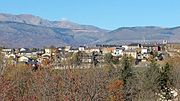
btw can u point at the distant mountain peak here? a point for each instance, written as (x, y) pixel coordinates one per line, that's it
(26, 30)
(36, 20)
(68, 24)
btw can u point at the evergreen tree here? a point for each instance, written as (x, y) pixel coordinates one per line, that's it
(159, 81)
(165, 82)
(94, 59)
(128, 77)
(152, 74)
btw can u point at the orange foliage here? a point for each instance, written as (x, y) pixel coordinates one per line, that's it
(45, 62)
(115, 85)
(115, 90)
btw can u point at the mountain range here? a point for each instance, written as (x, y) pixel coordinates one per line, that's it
(26, 30)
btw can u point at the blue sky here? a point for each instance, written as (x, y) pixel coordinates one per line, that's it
(108, 14)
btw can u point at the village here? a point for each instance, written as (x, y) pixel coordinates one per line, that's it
(58, 56)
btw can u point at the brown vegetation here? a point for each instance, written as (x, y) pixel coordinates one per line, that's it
(123, 83)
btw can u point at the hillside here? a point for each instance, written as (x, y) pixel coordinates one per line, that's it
(141, 34)
(31, 31)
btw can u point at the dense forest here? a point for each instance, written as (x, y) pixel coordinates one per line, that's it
(118, 80)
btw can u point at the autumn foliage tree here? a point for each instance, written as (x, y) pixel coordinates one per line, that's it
(123, 83)
(115, 91)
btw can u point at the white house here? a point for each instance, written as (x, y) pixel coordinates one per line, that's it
(81, 48)
(94, 49)
(134, 46)
(7, 51)
(11, 56)
(125, 47)
(67, 48)
(48, 51)
(118, 51)
(60, 49)
(73, 50)
(91, 50)
(144, 51)
(23, 49)
(23, 59)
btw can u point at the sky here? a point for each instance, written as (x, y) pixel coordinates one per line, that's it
(107, 14)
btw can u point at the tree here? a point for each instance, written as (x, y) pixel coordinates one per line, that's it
(115, 90)
(108, 58)
(2, 60)
(128, 77)
(77, 58)
(165, 82)
(151, 79)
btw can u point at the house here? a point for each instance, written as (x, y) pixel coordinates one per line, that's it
(146, 56)
(7, 51)
(131, 53)
(144, 50)
(81, 48)
(67, 48)
(73, 50)
(13, 56)
(134, 46)
(106, 50)
(23, 59)
(91, 50)
(48, 51)
(125, 47)
(153, 47)
(40, 52)
(27, 53)
(60, 49)
(23, 49)
(118, 51)
(94, 49)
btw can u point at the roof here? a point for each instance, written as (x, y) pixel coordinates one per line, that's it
(82, 46)
(134, 44)
(130, 50)
(74, 48)
(149, 45)
(121, 48)
(89, 48)
(98, 45)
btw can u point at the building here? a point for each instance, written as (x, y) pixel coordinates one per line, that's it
(134, 46)
(73, 50)
(131, 53)
(48, 51)
(67, 48)
(106, 50)
(81, 48)
(125, 47)
(7, 51)
(23, 59)
(144, 50)
(152, 47)
(91, 50)
(118, 51)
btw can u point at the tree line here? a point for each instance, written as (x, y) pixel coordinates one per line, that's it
(118, 80)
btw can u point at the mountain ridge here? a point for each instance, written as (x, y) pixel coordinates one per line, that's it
(27, 30)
